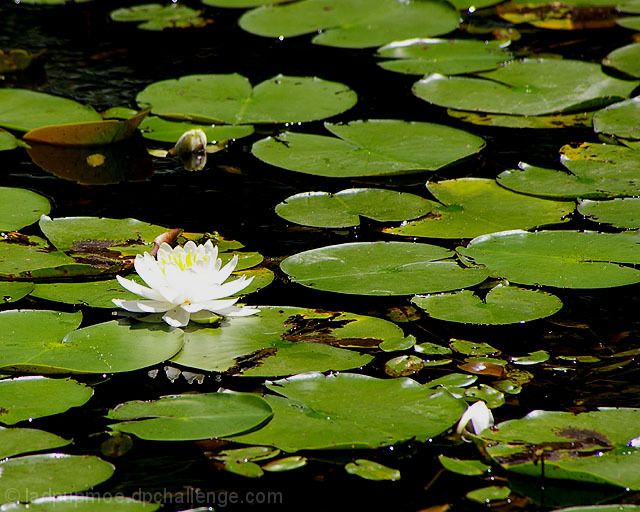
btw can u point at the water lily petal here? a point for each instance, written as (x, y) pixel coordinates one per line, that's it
(138, 289)
(176, 317)
(225, 272)
(479, 415)
(212, 305)
(143, 306)
(149, 271)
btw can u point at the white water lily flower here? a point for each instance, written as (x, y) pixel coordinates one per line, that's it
(185, 283)
(479, 415)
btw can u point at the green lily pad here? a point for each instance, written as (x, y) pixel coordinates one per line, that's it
(444, 56)
(463, 467)
(97, 294)
(16, 441)
(34, 476)
(352, 411)
(20, 207)
(625, 59)
(8, 141)
(591, 446)
(501, 305)
(191, 416)
(156, 128)
(564, 259)
(352, 23)
(486, 494)
(344, 208)
(536, 122)
(25, 398)
(369, 148)
(100, 236)
(621, 213)
(620, 119)
(45, 341)
(380, 268)
(231, 99)
(473, 348)
(285, 464)
(630, 22)
(371, 470)
(159, 17)
(24, 110)
(17, 60)
(474, 206)
(70, 503)
(12, 291)
(595, 171)
(285, 340)
(527, 87)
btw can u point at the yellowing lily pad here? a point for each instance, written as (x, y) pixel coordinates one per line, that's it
(230, 99)
(474, 206)
(380, 268)
(527, 87)
(369, 148)
(564, 15)
(96, 133)
(536, 122)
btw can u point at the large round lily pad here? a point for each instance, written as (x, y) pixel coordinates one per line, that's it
(280, 341)
(589, 447)
(231, 99)
(474, 206)
(25, 398)
(369, 148)
(191, 416)
(32, 340)
(527, 87)
(20, 207)
(621, 212)
(352, 411)
(380, 268)
(24, 110)
(501, 305)
(33, 476)
(97, 294)
(16, 441)
(344, 208)
(444, 56)
(625, 59)
(352, 23)
(565, 259)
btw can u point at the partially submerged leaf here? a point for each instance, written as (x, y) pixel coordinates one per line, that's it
(159, 17)
(97, 133)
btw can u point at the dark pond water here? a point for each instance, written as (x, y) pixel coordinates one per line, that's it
(105, 64)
